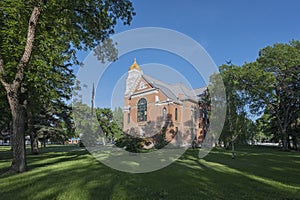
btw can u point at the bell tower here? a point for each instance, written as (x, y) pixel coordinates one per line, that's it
(134, 75)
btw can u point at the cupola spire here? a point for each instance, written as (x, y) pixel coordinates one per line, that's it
(134, 66)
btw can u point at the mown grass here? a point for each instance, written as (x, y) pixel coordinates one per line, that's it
(70, 172)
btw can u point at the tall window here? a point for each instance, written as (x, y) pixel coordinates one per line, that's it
(164, 113)
(128, 118)
(142, 110)
(176, 114)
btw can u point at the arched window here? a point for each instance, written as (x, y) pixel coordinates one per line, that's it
(164, 113)
(142, 110)
(176, 114)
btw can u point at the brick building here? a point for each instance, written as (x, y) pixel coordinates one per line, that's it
(150, 105)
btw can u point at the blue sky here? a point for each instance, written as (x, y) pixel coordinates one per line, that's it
(228, 30)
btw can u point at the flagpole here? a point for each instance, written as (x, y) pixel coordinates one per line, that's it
(92, 101)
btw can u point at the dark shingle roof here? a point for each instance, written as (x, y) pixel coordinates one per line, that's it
(173, 91)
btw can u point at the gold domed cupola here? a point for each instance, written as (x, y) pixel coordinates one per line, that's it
(134, 66)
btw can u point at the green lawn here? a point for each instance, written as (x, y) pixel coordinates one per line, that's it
(70, 172)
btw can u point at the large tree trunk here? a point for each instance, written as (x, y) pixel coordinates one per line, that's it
(285, 140)
(232, 150)
(44, 140)
(18, 136)
(33, 136)
(34, 144)
(13, 95)
(295, 143)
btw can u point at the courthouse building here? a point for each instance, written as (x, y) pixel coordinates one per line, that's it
(151, 105)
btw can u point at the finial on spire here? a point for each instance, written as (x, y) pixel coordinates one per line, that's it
(135, 66)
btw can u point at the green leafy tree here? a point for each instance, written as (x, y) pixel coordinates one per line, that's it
(237, 125)
(272, 84)
(42, 34)
(5, 117)
(53, 121)
(217, 104)
(108, 124)
(235, 110)
(268, 129)
(118, 117)
(46, 90)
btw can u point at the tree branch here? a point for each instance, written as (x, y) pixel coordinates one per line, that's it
(1, 65)
(2, 72)
(28, 47)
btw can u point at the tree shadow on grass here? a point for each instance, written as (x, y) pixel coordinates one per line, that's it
(51, 158)
(59, 175)
(270, 164)
(77, 175)
(82, 177)
(47, 156)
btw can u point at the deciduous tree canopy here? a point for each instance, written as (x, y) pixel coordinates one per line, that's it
(38, 43)
(270, 86)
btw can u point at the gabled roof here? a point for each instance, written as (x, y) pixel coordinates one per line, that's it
(176, 91)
